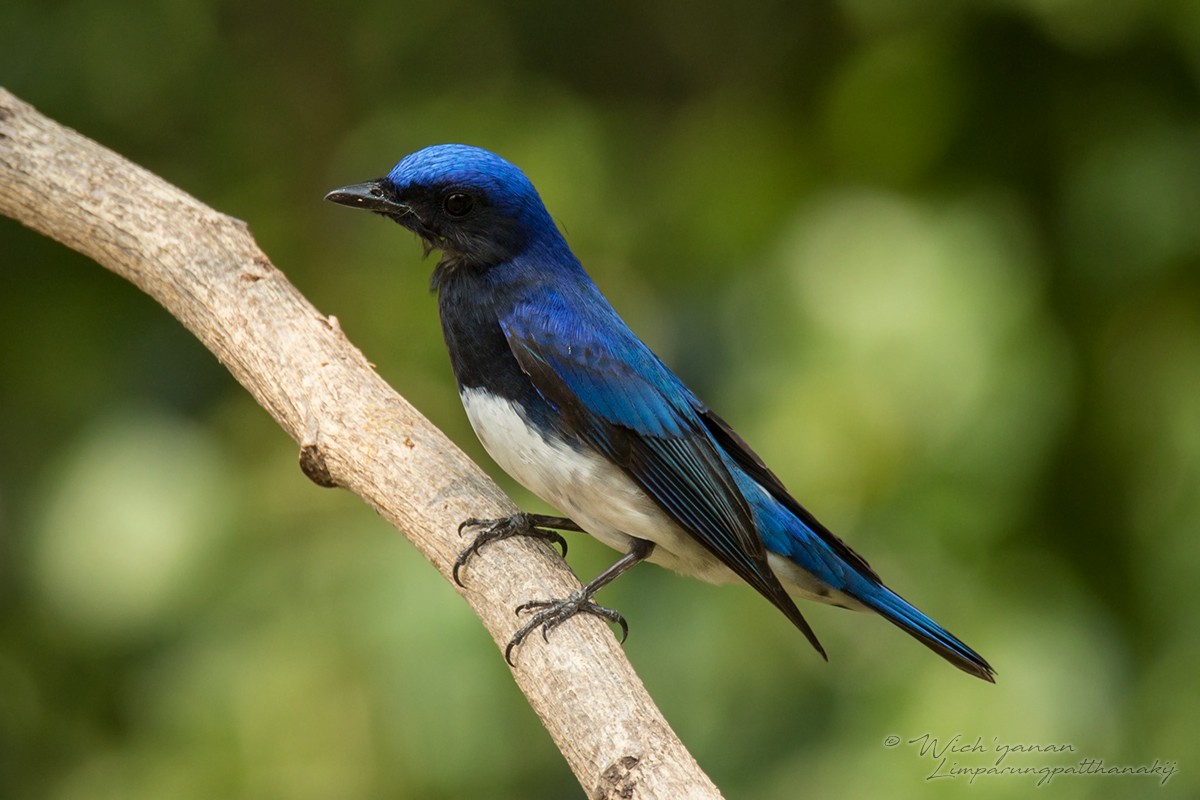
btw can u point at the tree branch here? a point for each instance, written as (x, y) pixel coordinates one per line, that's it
(354, 430)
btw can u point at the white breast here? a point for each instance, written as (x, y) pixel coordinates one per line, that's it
(585, 486)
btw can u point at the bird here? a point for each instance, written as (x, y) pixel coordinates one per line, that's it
(568, 401)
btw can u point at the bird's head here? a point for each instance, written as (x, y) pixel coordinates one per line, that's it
(474, 206)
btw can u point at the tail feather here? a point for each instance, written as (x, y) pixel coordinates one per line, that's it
(811, 561)
(908, 618)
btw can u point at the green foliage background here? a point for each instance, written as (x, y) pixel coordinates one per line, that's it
(937, 262)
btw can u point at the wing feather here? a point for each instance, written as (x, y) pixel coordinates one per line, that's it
(626, 404)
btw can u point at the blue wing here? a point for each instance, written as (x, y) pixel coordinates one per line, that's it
(616, 394)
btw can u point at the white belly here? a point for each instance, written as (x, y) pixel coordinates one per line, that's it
(586, 487)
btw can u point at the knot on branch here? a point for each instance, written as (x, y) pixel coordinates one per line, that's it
(619, 779)
(312, 464)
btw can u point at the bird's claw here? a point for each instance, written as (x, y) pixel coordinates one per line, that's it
(555, 612)
(495, 530)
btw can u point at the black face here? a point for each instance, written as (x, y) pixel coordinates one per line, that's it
(462, 221)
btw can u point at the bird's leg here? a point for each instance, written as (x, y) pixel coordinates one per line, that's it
(535, 526)
(555, 612)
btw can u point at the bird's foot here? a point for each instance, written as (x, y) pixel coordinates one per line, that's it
(555, 612)
(495, 530)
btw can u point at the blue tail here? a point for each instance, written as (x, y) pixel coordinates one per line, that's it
(905, 616)
(789, 530)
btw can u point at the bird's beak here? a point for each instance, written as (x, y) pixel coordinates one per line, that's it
(372, 196)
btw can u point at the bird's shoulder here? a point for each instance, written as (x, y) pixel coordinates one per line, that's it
(580, 350)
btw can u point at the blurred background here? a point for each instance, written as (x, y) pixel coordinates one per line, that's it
(938, 263)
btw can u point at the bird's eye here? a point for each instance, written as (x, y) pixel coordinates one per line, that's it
(458, 204)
